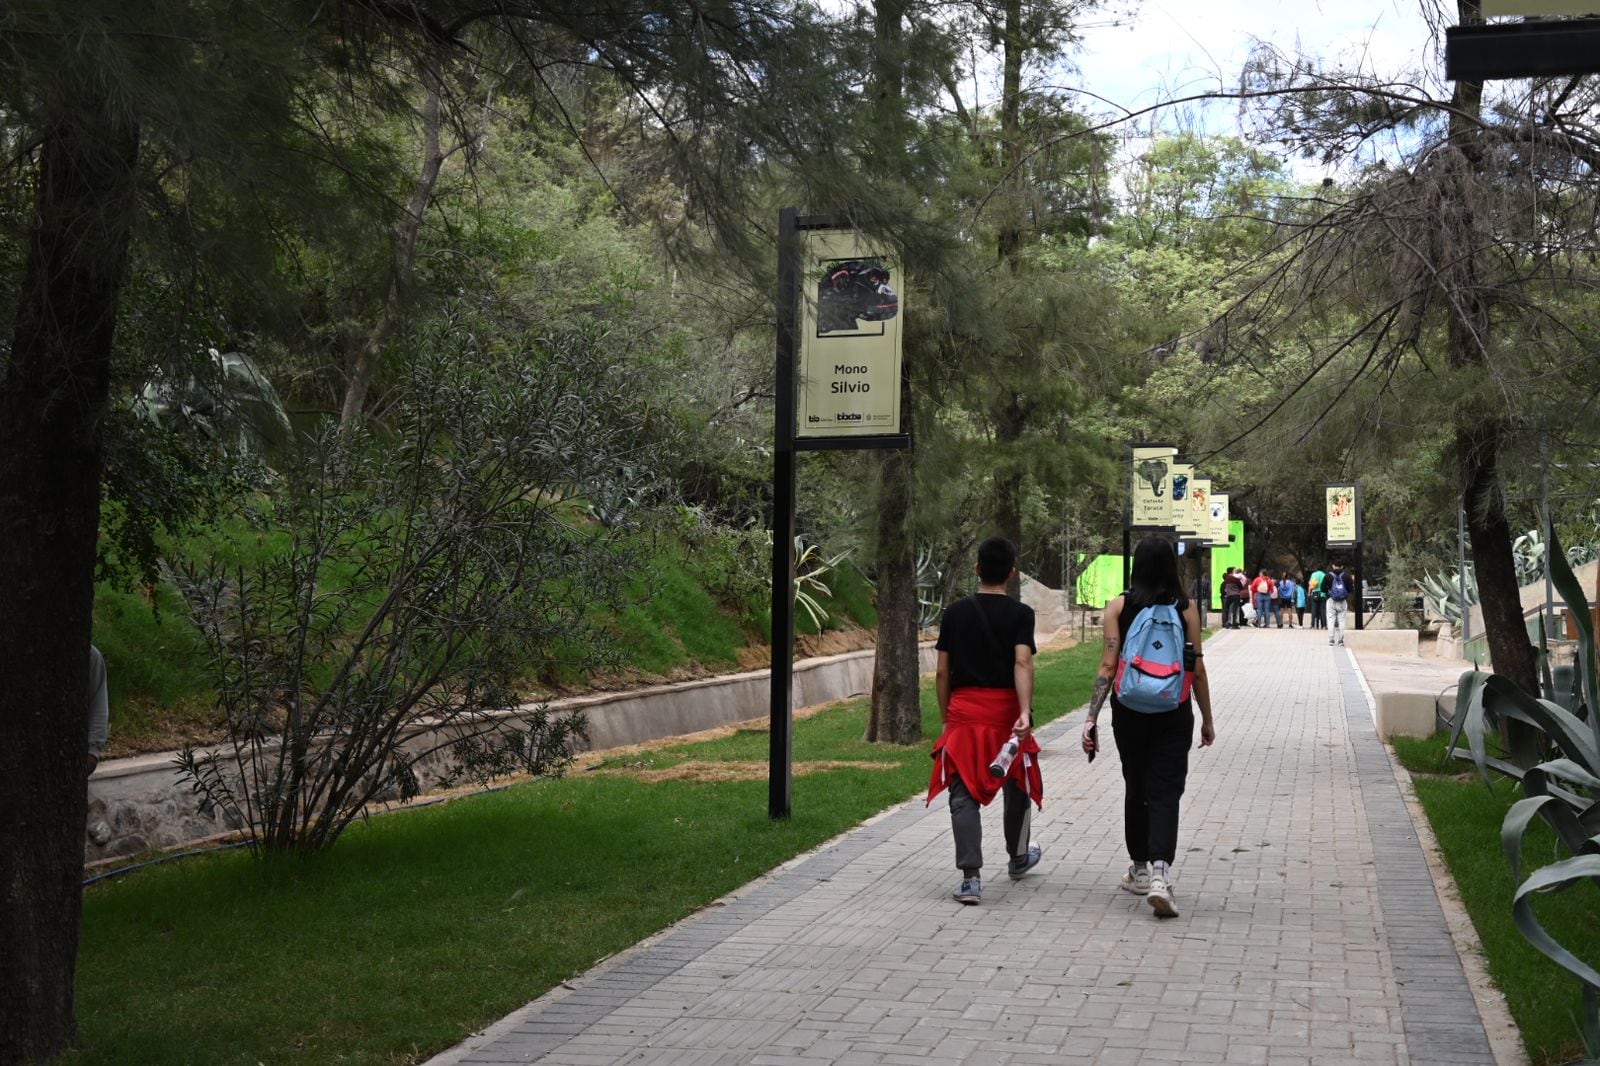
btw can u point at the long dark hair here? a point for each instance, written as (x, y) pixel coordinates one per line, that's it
(1155, 576)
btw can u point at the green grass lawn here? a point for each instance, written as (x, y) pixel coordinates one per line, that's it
(419, 928)
(1466, 816)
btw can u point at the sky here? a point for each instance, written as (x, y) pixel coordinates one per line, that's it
(1171, 48)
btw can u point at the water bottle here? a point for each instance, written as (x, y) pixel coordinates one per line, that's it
(1002, 761)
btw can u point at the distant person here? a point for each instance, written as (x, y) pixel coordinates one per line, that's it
(985, 690)
(1317, 596)
(1233, 593)
(1153, 739)
(1300, 604)
(1340, 584)
(1286, 592)
(99, 707)
(1264, 589)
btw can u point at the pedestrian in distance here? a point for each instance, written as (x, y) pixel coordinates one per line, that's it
(1318, 597)
(984, 683)
(1153, 672)
(1265, 591)
(1340, 584)
(1233, 594)
(1286, 591)
(1300, 604)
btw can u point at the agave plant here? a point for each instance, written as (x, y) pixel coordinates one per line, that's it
(810, 571)
(1563, 790)
(930, 583)
(1444, 593)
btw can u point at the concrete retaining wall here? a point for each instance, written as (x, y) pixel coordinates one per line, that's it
(141, 803)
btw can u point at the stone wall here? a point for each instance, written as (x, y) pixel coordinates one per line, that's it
(141, 803)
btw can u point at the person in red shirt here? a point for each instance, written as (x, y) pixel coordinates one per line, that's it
(985, 689)
(1265, 590)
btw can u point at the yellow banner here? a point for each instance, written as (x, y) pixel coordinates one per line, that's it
(1150, 486)
(1182, 520)
(1219, 519)
(1198, 525)
(850, 337)
(1344, 514)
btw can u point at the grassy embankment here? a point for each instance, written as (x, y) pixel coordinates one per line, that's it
(420, 927)
(1465, 816)
(676, 625)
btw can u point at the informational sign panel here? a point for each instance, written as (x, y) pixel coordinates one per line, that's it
(1197, 516)
(1219, 519)
(1182, 475)
(1343, 506)
(1150, 487)
(850, 338)
(1495, 8)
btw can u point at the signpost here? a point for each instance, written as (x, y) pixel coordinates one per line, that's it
(1149, 508)
(1342, 512)
(1549, 45)
(838, 305)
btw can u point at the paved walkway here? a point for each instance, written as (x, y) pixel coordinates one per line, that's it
(1310, 932)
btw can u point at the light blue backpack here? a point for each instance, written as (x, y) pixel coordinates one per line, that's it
(1150, 674)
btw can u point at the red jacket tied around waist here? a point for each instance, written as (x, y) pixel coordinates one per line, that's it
(977, 724)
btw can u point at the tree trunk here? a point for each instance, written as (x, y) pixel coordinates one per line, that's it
(896, 716)
(1479, 437)
(1008, 485)
(1493, 561)
(1010, 240)
(363, 365)
(53, 396)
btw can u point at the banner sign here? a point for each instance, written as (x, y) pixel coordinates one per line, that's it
(1182, 475)
(1343, 506)
(1496, 8)
(1219, 520)
(850, 338)
(1197, 519)
(1150, 487)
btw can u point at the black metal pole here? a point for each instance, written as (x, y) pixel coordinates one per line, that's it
(781, 744)
(1127, 559)
(1360, 580)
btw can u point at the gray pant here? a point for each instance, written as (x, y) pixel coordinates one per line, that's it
(966, 824)
(1336, 613)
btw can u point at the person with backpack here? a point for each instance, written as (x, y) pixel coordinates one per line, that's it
(984, 684)
(1300, 604)
(1318, 595)
(1286, 593)
(1265, 591)
(1153, 671)
(1339, 584)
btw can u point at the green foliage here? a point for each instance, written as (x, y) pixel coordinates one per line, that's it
(1554, 754)
(372, 937)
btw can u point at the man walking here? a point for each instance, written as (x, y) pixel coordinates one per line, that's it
(985, 691)
(1339, 584)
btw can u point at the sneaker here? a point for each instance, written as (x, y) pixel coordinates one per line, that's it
(1330, 642)
(970, 892)
(1019, 868)
(1160, 898)
(1136, 880)
(1341, 642)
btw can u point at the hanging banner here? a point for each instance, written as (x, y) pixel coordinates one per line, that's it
(1219, 520)
(1182, 475)
(1197, 522)
(1343, 508)
(1150, 487)
(850, 338)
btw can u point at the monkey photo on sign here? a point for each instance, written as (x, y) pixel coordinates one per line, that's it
(852, 291)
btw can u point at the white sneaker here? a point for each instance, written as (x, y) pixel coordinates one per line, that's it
(1136, 880)
(1160, 898)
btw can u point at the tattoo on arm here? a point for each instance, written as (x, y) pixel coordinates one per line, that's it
(1102, 689)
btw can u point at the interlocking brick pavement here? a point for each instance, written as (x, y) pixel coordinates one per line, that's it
(1310, 933)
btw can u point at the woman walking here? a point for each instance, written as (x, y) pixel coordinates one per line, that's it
(1154, 745)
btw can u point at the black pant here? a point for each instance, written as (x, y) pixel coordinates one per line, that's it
(1155, 763)
(1230, 611)
(966, 824)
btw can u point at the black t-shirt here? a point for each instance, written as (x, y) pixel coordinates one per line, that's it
(977, 659)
